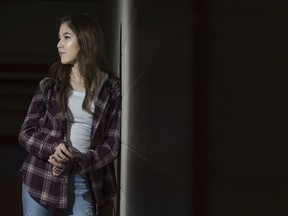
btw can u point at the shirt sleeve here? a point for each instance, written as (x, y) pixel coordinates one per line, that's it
(34, 139)
(106, 152)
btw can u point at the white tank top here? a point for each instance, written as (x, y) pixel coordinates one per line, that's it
(79, 123)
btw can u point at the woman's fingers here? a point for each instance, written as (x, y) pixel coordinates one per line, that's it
(62, 153)
(53, 161)
(55, 172)
(60, 160)
(57, 167)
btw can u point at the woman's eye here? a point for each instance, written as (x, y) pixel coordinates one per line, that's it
(67, 37)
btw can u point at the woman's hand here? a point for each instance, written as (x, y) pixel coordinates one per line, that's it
(57, 166)
(61, 159)
(62, 153)
(60, 167)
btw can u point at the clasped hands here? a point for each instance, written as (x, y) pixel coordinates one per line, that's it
(61, 160)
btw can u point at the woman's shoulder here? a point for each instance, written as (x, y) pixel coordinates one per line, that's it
(111, 85)
(45, 83)
(44, 80)
(113, 80)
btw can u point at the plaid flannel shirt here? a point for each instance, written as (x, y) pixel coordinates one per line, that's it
(44, 128)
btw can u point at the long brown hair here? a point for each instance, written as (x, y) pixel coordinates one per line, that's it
(91, 59)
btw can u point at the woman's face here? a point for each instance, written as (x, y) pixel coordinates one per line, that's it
(68, 46)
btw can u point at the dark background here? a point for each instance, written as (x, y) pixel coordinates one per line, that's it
(204, 87)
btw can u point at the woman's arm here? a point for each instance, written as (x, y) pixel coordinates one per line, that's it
(34, 139)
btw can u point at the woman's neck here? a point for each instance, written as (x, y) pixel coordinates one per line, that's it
(75, 72)
(76, 80)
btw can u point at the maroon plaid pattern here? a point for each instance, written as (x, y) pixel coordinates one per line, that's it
(44, 129)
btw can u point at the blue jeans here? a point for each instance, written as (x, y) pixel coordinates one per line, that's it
(80, 200)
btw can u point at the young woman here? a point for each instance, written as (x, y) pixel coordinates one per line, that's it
(72, 128)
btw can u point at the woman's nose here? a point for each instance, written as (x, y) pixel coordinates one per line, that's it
(59, 44)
